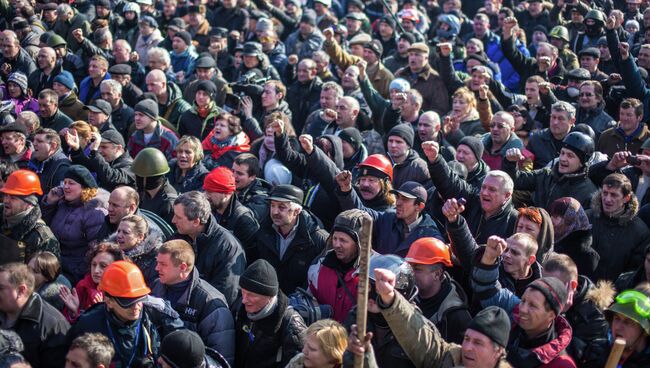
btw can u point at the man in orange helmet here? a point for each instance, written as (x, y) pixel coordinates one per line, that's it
(135, 322)
(441, 299)
(20, 218)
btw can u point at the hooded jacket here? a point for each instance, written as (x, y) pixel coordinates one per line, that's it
(626, 231)
(546, 236)
(578, 246)
(413, 168)
(334, 284)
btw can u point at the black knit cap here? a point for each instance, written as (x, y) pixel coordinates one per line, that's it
(494, 323)
(352, 136)
(410, 37)
(554, 292)
(403, 131)
(81, 175)
(474, 144)
(260, 278)
(208, 87)
(185, 36)
(147, 107)
(183, 349)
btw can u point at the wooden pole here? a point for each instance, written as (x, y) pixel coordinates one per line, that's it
(615, 353)
(364, 284)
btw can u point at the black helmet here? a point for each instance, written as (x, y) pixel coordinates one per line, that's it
(581, 144)
(585, 129)
(404, 276)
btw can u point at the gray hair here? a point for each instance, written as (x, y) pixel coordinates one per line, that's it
(112, 84)
(161, 53)
(63, 9)
(566, 107)
(124, 43)
(335, 86)
(506, 180)
(196, 205)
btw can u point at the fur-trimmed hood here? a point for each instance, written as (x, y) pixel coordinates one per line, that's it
(602, 294)
(630, 212)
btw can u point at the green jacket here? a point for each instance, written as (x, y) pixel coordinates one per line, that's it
(420, 339)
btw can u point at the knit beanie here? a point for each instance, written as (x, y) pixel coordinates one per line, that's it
(220, 180)
(554, 292)
(183, 349)
(81, 175)
(494, 323)
(65, 78)
(147, 107)
(399, 84)
(403, 131)
(260, 278)
(474, 144)
(352, 136)
(20, 79)
(208, 87)
(264, 24)
(185, 36)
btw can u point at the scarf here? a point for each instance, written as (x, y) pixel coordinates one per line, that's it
(574, 219)
(264, 312)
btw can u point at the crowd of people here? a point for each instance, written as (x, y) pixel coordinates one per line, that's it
(185, 183)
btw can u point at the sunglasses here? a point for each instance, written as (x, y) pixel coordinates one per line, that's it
(640, 300)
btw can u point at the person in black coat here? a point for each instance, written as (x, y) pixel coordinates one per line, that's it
(48, 160)
(186, 171)
(41, 327)
(290, 238)
(51, 116)
(303, 95)
(251, 190)
(632, 279)
(220, 256)
(108, 159)
(268, 331)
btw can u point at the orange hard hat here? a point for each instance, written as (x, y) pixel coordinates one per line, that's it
(22, 183)
(123, 279)
(376, 165)
(429, 251)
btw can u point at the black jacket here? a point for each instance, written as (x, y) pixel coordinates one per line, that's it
(43, 330)
(448, 310)
(303, 99)
(544, 147)
(33, 232)
(254, 197)
(220, 259)
(162, 204)
(58, 121)
(307, 245)
(193, 180)
(577, 245)
(270, 342)
(122, 118)
(412, 169)
(241, 221)
(110, 175)
(51, 171)
(204, 310)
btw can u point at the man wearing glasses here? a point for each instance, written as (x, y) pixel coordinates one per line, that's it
(591, 108)
(501, 138)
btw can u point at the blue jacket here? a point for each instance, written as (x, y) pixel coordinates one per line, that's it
(87, 92)
(313, 43)
(388, 230)
(184, 62)
(509, 76)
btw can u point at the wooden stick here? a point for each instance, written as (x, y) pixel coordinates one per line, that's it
(365, 246)
(615, 353)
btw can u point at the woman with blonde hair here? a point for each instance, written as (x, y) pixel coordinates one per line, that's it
(79, 136)
(463, 119)
(139, 244)
(186, 171)
(75, 214)
(325, 343)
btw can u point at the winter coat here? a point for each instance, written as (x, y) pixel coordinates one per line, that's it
(76, 225)
(158, 319)
(217, 155)
(620, 241)
(189, 92)
(162, 204)
(163, 138)
(109, 175)
(58, 121)
(42, 330)
(451, 316)
(22, 63)
(88, 91)
(270, 342)
(241, 221)
(203, 309)
(142, 45)
(449, 185)
(613, 140)
(173, 110)
(278, 57)
(314, 42)
(144, 254)
(630, 280)
(220, 259)
(121, 117)
(334, 286)
(254, 197)
(193, 179)
(308, 243)
(419, 337)
(33, 232)
(88, 294)
(544, 146)
(303, 99)
(235, 19)
(577, 245)
(50, 291)
(73, 107)
(413, 168)
(64, 28)
(184, 62)
(430, 85)
(509, 75)
(548, 184)
(526, 66)
(192, 124)
(597, 119)
(495, 160)
(252, 126)
(388, 230)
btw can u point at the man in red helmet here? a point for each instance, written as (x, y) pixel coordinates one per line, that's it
(135, 322)
(20, 218)
(441, 299)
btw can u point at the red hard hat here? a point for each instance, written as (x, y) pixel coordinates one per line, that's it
(22, 183)
(381, 165)
(429, 251)
(123, 279)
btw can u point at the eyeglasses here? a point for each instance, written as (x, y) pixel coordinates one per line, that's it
(586, 94)
(266, 39)
(498, 126)
(640, 300)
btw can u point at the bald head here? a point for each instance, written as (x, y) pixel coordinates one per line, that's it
(122, 202)
(46, 58)
(156, 75)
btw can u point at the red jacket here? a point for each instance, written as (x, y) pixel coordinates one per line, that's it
(87, 292)
(324, 285)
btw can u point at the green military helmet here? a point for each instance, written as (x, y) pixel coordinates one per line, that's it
(596, 15)
(55, 41)
(150, 162)
(633, 305)
(560, 32)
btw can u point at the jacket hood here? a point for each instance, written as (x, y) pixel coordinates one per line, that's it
(631, 209)
(337, 149)
(546, 237)
(602, 294)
